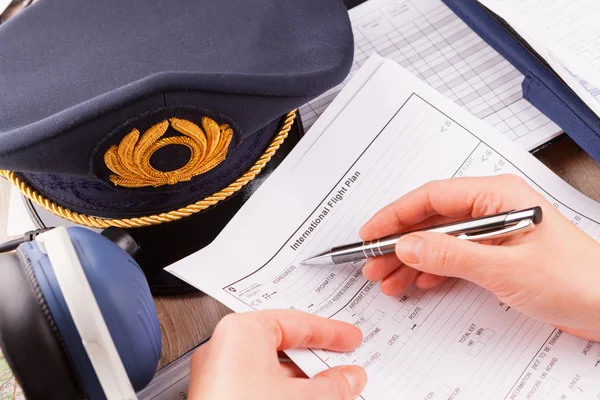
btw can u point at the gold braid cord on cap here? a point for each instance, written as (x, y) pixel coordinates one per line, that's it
(95, 222)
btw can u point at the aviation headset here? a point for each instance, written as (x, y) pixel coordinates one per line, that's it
(77, 320)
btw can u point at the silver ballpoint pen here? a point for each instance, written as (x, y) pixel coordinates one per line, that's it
(477, 229)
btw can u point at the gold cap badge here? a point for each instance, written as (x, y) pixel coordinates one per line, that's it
(130, 160)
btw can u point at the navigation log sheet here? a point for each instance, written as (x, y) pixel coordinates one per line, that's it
(385, 134)
(430, 41)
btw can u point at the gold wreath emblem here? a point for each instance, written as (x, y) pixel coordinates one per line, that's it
(130, 160)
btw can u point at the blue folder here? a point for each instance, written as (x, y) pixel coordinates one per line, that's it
(542, 87)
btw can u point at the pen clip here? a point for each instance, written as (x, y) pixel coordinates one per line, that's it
(523, 226)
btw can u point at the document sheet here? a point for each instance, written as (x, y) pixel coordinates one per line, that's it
(19, 220)
(385, 134)
(565, 33)
(4, 4)
(429, 40)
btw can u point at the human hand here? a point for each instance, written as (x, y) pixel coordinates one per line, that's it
(240, 360)
(551, 273)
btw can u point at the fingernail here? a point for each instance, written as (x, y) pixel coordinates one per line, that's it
(410, 249)
(355, 378)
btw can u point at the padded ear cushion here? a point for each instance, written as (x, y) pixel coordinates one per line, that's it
(75, 351)
(124, 298)
(30, 340)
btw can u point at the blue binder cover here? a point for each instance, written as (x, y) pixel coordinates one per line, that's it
(542, 87)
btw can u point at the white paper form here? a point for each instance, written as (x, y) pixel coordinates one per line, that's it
(19, 220)
(4, 4)
(429, 40)
(588, 86)
(565, 33)
(452, 342)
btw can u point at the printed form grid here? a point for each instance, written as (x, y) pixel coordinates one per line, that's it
(401, 160)
(415, 329)
(431, 42)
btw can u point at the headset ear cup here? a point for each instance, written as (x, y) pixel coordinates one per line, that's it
(30, 340)
(124, 298)
(37, 330)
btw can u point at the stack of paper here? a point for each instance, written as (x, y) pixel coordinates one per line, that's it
(429, 40)
(385, 134)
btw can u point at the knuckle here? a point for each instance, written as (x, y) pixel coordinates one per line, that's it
(228, 324)
(487, 202)
(492, 200)
(515, 183)
(432, 186)
(513, 180)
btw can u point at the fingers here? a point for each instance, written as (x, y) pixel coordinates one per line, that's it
(427, 281)
(447, 256)
(339, 383)
(287, 329)
(452, 198)
(378, 268)
(399, 280)
(395, 277)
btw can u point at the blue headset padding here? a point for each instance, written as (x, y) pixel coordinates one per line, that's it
(58, 308)
(124, 298)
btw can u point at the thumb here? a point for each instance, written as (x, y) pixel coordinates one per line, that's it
(446, 255)
(339, 383)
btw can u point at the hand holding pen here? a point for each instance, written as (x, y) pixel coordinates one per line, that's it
(551, 273)
(479, 229)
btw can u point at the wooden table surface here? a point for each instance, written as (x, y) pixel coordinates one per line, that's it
(187, 320)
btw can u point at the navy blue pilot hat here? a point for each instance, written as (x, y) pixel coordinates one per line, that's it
(157, 116)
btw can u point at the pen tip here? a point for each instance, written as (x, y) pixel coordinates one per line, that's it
(319, 259)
